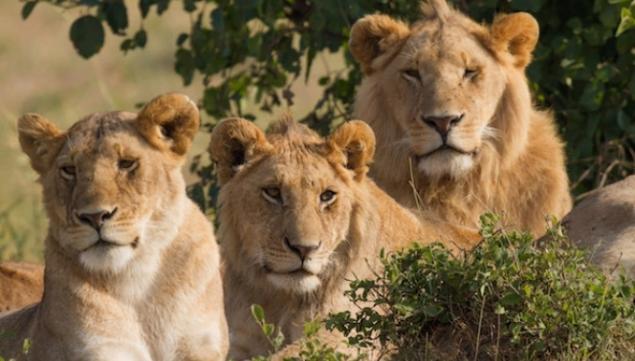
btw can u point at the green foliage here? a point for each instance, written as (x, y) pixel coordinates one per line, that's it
(311, 349)
(273, 334)
(507, 299)
(253, 50)
(627, 15)
(26, 348)
(87, 35)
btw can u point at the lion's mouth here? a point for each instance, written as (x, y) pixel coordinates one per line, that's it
(447, 147)
(300, 271)
(104, 244)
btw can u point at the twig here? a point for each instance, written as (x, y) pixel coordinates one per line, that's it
(478, 334)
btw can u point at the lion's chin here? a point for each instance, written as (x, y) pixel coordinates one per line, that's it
(296, 282)
(446, 163)
(106, 258)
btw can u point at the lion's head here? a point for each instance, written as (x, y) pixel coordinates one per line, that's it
(448, 83)
(287, 198)
(112, 181)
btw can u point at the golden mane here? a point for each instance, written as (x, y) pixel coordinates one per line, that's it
(447, 81)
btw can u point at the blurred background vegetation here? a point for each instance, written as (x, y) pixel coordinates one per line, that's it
(257, 58)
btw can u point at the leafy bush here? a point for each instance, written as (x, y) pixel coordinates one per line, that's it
(254, 49)
(508, 299)
(312, 348)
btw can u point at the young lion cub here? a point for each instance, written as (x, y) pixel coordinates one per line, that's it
(132, 266)
(299, 218)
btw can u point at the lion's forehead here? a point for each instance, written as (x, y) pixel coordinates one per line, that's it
(301, 169)
(100, 134)
(451, 44)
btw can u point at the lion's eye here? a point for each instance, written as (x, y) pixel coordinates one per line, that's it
(127, 164)
(68, 171)
(412, 74)
(327, 196)
(272, 194)
(470, 73)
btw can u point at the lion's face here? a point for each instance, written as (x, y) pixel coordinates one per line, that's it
(296, 211)
(289, 202)
(449, 87)
(445, 77)
(110, 189)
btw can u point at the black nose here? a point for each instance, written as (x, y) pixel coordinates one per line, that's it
(301, 250)
(443, 124)
(96, 219)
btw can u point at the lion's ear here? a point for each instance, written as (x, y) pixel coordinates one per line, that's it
(517, 34)
(40, 139)
(235, 142)
(374, 38)
(169, 122)
(357, 141)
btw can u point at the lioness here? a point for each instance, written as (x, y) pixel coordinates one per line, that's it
(298, 218)
(21, 285)
(132, 266)
(451, 107)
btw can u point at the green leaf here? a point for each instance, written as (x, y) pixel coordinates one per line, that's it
(141, 38)
(184, 65)
(627, 22)
(189, 5)
(27, 9)
(258, 313)
(144, 7)
(87, 35)
(182, 39)
(116, 16)
(511, 299)
(432, 310)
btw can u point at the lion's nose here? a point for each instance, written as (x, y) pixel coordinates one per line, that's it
(442, 124)
(302, 250)
(96, 219)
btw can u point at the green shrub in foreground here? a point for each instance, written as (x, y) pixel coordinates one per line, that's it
(509, 299)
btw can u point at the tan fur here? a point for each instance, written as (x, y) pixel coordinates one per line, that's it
(604, 224)
(505, 155)
(145, 284)
(257, 230)
(21, 285)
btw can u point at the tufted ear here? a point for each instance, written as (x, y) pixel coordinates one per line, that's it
(40, 139)
(374, 38)
(235, 142)
(169, 122)
(357, 141)
(517, 34)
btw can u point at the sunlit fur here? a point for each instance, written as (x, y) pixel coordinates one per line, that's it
(259, 267)
(503, 156)
(21, 284)
(146, 286)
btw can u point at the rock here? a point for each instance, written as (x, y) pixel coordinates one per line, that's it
(604, 223)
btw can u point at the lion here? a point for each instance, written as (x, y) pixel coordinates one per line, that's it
(452, 110)
(21, 284)
(132, 266)
(298, 218)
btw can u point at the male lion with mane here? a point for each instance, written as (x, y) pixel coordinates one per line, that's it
(132, 266)
(298, 219)
(449, 102)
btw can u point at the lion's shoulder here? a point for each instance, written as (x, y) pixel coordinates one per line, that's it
(21, 284)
